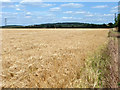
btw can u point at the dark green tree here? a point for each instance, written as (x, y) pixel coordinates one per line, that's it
(118, 22)
(110, 25)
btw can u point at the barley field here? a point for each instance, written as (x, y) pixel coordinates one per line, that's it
(47, 58)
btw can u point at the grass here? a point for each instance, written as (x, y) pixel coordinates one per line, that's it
(93, 75)
(113, 33)
(119, 84)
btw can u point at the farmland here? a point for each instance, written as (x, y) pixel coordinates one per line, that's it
(47, 58)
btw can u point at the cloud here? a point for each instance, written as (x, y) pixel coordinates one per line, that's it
(114, 9)
(9, 15)
(100, 15)
(74, 12)
(28, 13)
(24, 1)
(67, 17)
(37, 4)
(18, 9)
(89, 15)
(108, 15)
(27, 16)
(46, 5)
(86, 13)
(100, 6)
(68, 12)
(5, 0)
(8, 6)
(73, 19)
(63, 0)
(80, 12)
(74, 5)
(55, 9)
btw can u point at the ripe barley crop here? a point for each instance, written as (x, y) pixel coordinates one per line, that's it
(47, 58)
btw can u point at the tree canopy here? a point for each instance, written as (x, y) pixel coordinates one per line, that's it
(64, 25)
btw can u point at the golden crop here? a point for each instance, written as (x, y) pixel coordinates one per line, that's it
(46, 58)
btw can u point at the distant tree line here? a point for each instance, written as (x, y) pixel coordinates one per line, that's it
(63, 25)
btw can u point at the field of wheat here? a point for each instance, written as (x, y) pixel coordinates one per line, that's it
(47, 58)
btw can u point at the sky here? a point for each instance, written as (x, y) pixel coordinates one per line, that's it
(30, 12)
